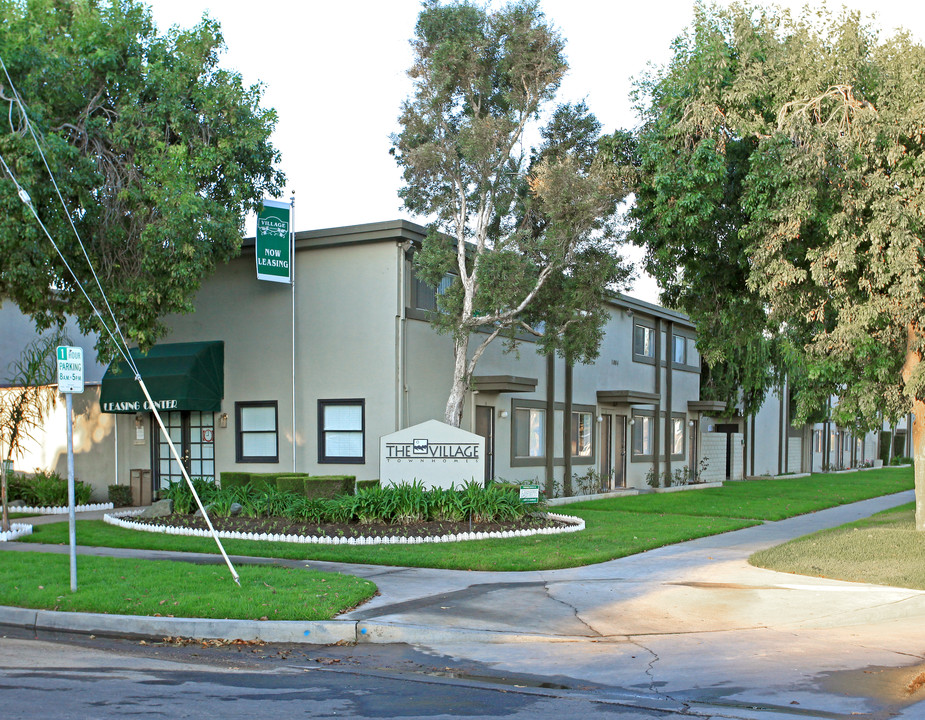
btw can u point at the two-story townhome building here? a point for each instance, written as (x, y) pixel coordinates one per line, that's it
(268, 376)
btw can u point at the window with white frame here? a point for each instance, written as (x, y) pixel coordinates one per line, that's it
(643, 442)
(679, 354)
(529, 432)
(341, 431)
(582, 434)
(256, 432)
(677, 436)
(643, 341)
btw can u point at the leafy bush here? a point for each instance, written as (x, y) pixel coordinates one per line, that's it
(408, 502)
(45, 489)
(901, 460)
(446, 505)
(274, 502)
(183, 500)
(120, 495)
(340, 509)
(371, 505)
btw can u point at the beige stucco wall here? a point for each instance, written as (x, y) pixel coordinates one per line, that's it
(346, 304)
(93, 436)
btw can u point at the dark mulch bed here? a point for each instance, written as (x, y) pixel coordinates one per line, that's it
(285, 526)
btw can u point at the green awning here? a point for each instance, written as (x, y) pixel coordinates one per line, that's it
(179, 376)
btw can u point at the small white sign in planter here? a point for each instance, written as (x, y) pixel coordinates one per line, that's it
(434, 453)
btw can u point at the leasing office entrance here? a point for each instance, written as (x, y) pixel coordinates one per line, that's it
(186, 383)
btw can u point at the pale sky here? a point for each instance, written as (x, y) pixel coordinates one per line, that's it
(335, 73)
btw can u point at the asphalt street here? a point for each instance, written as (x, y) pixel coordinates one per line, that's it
(686, 629)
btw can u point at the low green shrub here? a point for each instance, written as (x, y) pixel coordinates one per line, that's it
(120, 495)
(234, 479)
(329, 486)
(363, 484)
(291, 484)
(901, 460)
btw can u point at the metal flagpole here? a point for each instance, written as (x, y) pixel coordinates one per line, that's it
(292, 284)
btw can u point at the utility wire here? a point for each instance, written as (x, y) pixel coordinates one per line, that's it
(121, 347)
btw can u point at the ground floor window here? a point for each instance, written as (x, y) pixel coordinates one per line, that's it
(582, 433)
(529, 432)
(677, 436)
(257, 432)
(341, 431)
(643, 436)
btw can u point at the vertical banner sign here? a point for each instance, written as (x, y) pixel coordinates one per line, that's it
(273, 261)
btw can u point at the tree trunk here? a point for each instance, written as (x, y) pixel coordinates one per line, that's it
(917, 436)
(916, 433)
(457, 398)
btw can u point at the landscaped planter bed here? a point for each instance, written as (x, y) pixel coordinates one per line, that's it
(285, 530)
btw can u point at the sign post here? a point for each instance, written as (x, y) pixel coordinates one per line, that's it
(71, 380)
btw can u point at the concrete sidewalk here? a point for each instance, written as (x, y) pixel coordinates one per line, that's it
(704, 585)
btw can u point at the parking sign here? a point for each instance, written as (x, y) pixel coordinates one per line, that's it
(70, 369)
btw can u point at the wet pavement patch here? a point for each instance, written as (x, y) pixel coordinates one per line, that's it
(890, 688)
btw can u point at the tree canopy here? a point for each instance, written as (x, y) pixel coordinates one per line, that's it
(158, 153)
(782, 159)
(525, 238)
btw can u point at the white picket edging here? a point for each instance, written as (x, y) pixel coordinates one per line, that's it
(16, 531)
(119, 519)
(60, 510)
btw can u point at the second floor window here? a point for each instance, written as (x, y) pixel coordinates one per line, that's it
(643, 341)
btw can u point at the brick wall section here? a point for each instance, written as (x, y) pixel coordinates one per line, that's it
(794, 454)
(713, 450)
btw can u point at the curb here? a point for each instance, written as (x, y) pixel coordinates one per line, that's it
(318, 632)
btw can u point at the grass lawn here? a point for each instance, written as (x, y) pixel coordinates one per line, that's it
(178, 589)
(767, 499)
(614, 527)
(884, 549)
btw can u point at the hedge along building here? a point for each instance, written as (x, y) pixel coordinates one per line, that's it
(241, 387)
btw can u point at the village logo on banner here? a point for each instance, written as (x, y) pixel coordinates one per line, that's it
(273, 251)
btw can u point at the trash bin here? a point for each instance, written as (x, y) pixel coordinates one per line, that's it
(141, 486)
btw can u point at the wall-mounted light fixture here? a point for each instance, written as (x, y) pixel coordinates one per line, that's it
(632, 421)
(691, 423)
(502, 414)
(223, 420)
(600, 418)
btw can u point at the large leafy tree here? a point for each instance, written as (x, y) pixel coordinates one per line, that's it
(812, 126)
(523, 236)
(157, 152)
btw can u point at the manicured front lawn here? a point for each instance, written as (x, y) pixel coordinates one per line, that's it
(884, 549)
(178, 589)
(615, 527)
(608, 535)
(768, 499)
